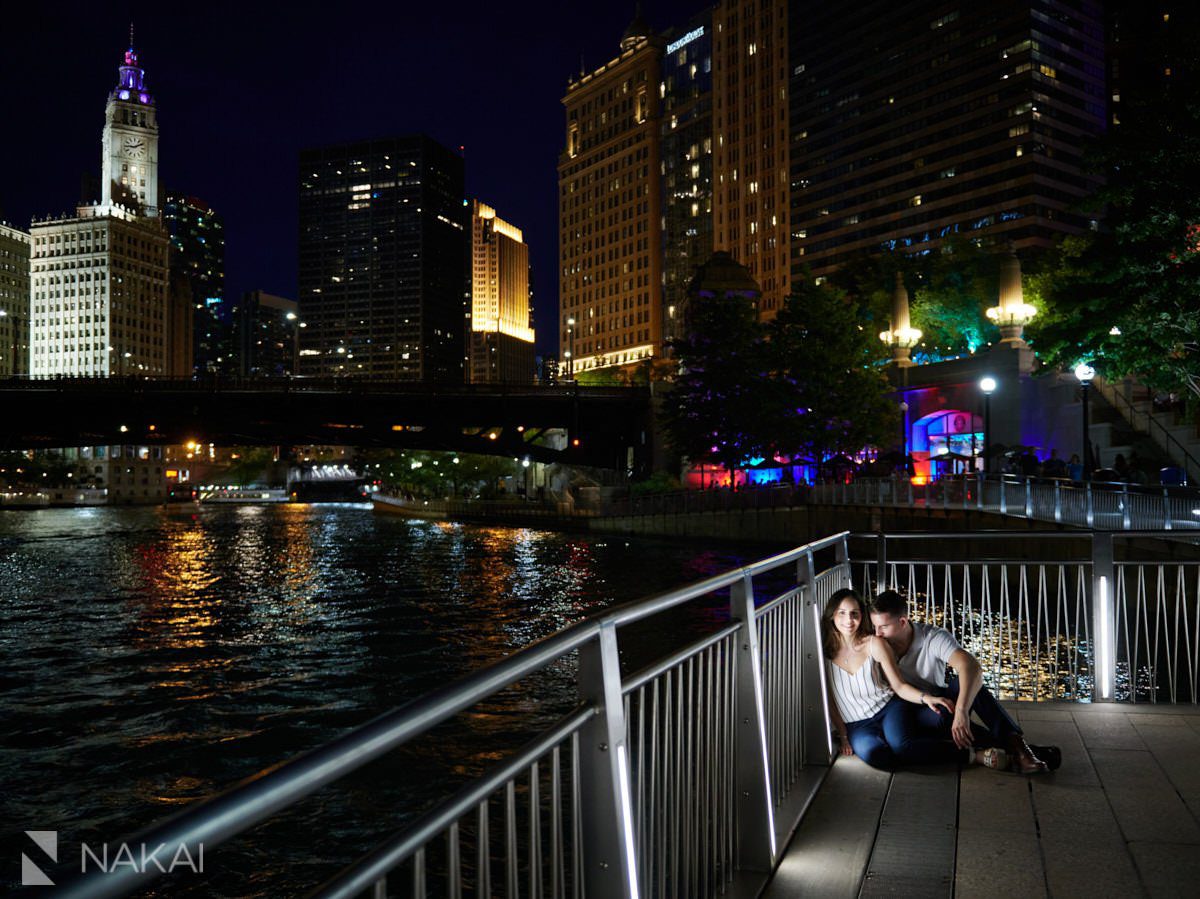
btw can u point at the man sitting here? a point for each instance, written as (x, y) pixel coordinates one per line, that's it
(924, 652)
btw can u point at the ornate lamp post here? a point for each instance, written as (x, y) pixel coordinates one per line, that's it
(1013, 313)
(987, 385)
(903, 337)
(1085, 373)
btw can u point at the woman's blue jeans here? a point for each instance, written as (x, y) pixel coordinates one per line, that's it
(891, 737)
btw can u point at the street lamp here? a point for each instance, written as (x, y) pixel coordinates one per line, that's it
(1085, 373)
(571, 348)
(987, 385)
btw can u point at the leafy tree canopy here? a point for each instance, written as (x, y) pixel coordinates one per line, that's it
(809, 384)
(717, 407)
(828, 391)
(1127, 297)
(949, 291)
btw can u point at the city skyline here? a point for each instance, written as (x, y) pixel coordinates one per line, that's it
(248, 101)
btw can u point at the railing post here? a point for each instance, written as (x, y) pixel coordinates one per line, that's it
(980, 486)
(609, 866)
(1057, 502)
(1091, 509)
(1104, 628)
(880, 563)
(1028, 498)
(817, 742)
(1125, 506)
(1166, 510)
(1003, 496)
(752, 780)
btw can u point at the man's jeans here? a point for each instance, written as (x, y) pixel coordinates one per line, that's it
(997, 721)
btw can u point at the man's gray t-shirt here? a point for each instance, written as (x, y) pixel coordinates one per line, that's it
(924, 665)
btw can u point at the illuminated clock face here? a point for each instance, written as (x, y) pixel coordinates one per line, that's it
(134, 147)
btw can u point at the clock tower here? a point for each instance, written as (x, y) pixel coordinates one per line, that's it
(129, 161)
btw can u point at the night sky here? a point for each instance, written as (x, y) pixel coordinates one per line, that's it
(243, 87)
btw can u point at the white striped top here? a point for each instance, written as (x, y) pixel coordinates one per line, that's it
(859, 695)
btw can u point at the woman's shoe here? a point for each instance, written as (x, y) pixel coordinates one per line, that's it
(993, 757)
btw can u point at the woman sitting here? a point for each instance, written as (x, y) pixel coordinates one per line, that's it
(869, 694)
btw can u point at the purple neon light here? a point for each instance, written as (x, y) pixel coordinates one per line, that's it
(145, 98)
(124, 95)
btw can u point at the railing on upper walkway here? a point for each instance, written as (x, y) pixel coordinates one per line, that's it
(636, 791)
(685, 777)
(1100, 505)
(1145, 421)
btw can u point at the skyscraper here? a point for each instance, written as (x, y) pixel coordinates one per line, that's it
(99, 302)
(198, 261)
(913, 122)
(501, 340)
(14, 301)
(383, 260)
(610, 233)
(687, 161)
(751, 186)
(266, 329)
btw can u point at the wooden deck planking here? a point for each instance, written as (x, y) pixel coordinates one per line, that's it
(1120, 818)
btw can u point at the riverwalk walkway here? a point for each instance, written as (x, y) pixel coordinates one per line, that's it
(1118, 819)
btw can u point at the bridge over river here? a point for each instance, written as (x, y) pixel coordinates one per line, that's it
(706, 768)
(608, 427)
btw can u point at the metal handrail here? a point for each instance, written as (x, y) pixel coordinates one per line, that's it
(407, 841)
(1101, 505)
(1112, 394)
(236, 810)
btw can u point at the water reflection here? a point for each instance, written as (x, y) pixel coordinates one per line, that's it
(149, 657)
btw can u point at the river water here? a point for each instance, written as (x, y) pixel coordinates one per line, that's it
(152, 656)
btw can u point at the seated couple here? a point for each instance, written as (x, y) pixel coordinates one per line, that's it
(893, 703)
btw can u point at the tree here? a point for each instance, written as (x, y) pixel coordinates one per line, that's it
(949, 290)
(717, 406)
(828, 391)
(954, 287)
(1126, 297)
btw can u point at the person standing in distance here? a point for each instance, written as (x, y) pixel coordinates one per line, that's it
(924, 652)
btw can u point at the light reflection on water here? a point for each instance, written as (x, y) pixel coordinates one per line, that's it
(149, 657)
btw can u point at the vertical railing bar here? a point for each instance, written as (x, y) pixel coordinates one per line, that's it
(418, 874)
(453, 863)
(689, 795)
(483, 855)
(557, 867)
(658, 783)
(379, 888)
(576, 819)
(512, 888)
(637, 774)
(535, 832)
(676, 765)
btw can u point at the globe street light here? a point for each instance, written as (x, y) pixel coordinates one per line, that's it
(987, 385)
(1085, 373)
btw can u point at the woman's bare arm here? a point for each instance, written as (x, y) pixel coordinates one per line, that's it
(881, 651)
